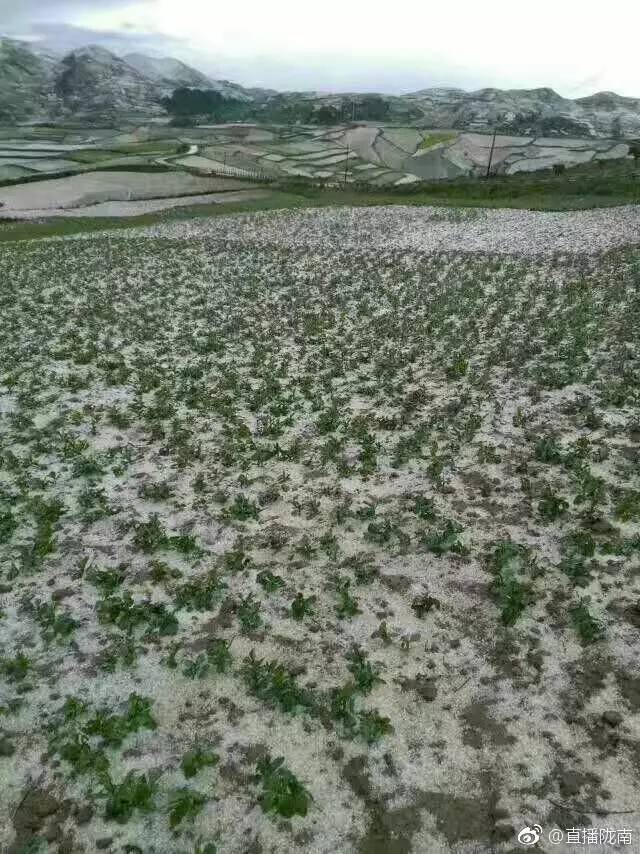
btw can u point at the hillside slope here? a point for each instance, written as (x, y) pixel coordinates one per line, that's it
(93, 84)
(26, 80)
(167, 72)
(529, 112)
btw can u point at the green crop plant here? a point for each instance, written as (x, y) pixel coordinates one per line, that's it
(586, 625)
(347, 606)
(135, 792)
(302, 607)
(184, 804)
(196, 759)
(365, 674)
(282, 792)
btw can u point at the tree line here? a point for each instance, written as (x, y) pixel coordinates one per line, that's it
(190, 104)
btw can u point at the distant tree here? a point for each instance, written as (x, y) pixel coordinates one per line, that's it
(373, 108)
(192, 102)
(326, 115)
(67, 81)
(186, 103)
(287, 109)
(634, 151)
(559, 168)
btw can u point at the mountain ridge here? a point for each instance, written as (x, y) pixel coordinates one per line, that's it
(94, 84)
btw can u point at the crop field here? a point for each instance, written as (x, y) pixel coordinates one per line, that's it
(380, 157)
(320, 532)
(241, 151)
(83, 194)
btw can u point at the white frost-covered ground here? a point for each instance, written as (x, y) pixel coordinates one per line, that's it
(423, 228)
(438, 451)
(144, 206)
(92, 188)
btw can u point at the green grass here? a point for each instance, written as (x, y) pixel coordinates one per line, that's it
(579, 188)
(52, 134)
(433, 139)
(158, 147)
(92, 155)
(153, 148)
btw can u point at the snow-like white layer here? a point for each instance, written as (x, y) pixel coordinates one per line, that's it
(427, 229)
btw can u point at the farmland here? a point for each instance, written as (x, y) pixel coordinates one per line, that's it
(319, 531)
(151, 168)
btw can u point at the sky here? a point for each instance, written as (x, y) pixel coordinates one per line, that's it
(576, 47)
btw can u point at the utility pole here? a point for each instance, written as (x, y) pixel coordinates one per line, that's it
(346, 164)
(493, 145)
(353, 104)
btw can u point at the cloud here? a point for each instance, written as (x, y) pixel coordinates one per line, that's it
(30, 12)
(568, 46)
(62, 37)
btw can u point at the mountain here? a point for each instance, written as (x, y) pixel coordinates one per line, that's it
(92, 84)
(168, 73)
(606, 109)
(484, 108)
(26, 80)
(539, 112)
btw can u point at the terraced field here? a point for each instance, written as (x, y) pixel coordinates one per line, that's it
(87, 193)
(378, 156)
(320, 531)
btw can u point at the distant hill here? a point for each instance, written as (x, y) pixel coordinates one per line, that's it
(530, 111)
(93, 84)
(171, 74)
(167, 72)
(26, 80)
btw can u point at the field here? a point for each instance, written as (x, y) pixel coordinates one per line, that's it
(243, 151)
(139, 189)
(320, 531)
(379, 158)
(82, 193)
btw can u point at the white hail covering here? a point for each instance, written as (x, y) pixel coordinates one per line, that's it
(425, 229)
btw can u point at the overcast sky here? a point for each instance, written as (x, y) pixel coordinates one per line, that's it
(575, 46)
